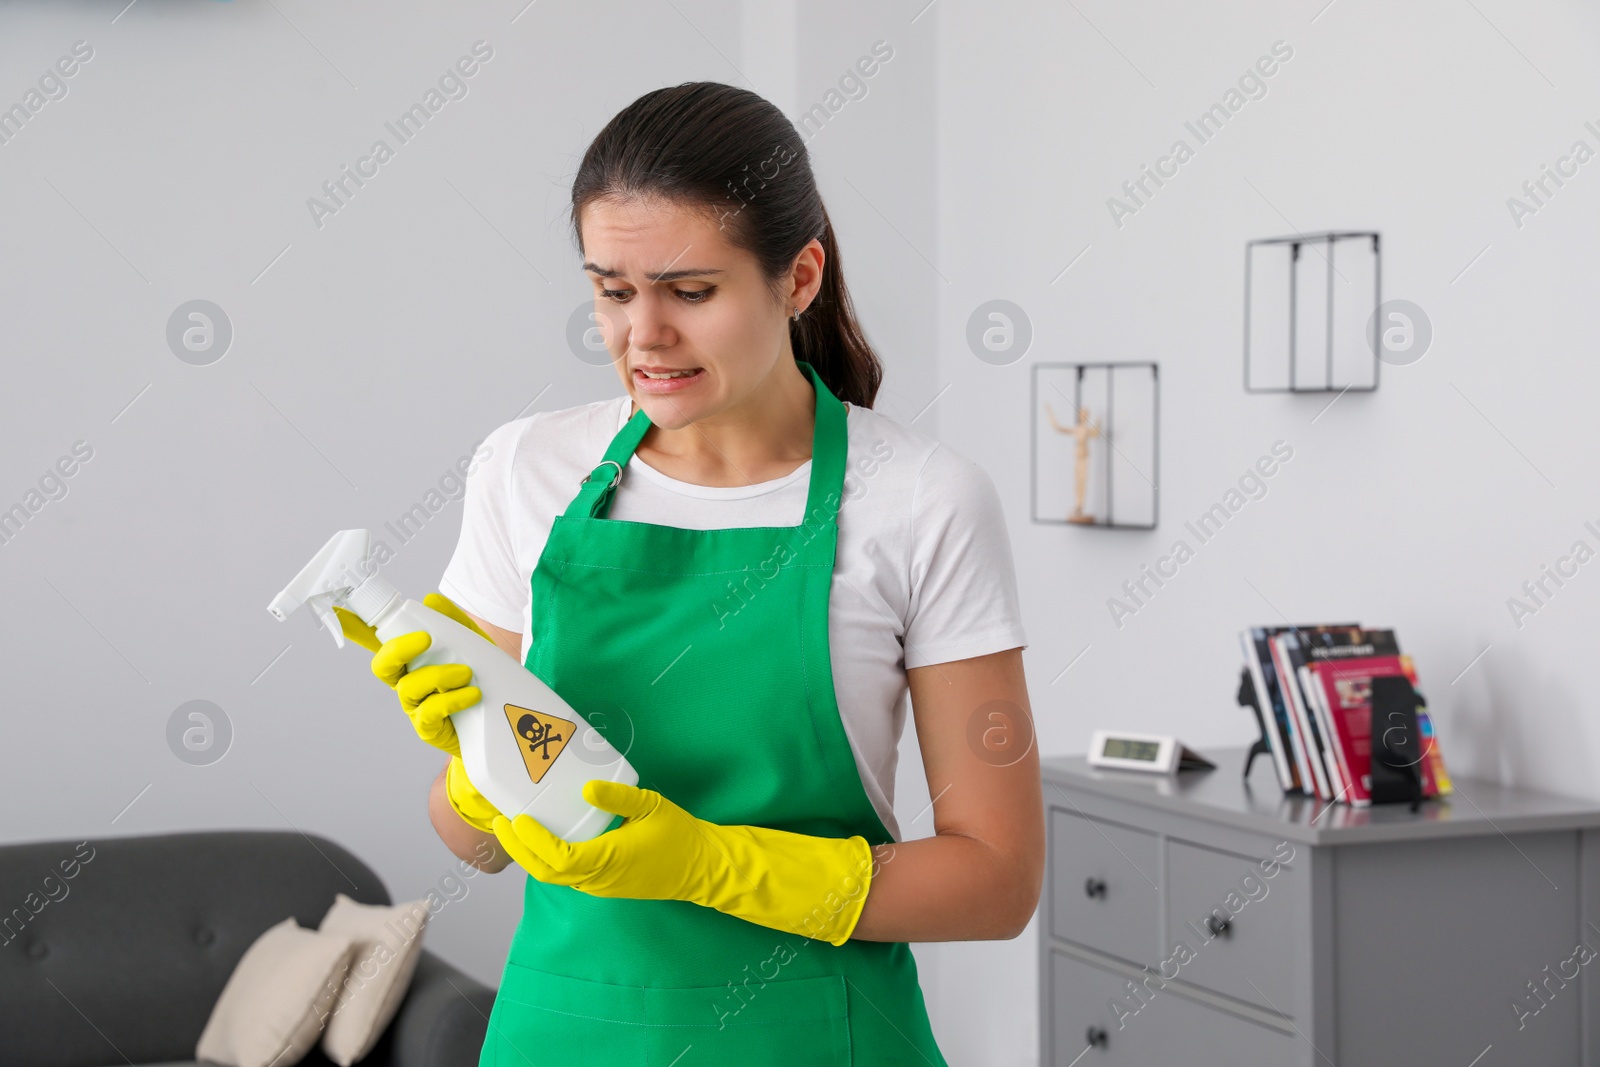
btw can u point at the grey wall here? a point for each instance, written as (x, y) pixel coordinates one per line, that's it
(1423, 506)
(371, 349)
(371, 353)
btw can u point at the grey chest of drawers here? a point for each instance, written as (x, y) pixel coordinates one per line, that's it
(1206, 920)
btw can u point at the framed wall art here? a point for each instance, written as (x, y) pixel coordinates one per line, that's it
(1096, 444)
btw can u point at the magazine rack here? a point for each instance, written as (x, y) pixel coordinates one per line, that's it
(1397, 751)
(1247, 698)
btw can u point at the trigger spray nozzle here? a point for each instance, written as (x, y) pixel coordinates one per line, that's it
(341, 574)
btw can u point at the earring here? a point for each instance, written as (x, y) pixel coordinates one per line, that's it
(795, 314)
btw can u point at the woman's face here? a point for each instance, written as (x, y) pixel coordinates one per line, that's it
(692, 327)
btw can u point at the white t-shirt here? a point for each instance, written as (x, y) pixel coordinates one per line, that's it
(923, 572)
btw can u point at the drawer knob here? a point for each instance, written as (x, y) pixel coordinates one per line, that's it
(1094, 887)
(1218, 925)
(1097, 1037)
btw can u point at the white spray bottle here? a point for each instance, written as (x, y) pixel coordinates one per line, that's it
(524, 747)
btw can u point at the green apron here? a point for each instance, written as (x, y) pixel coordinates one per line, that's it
(703, 655)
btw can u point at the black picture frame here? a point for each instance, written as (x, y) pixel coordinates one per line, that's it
(1325, 244)
(1108, 468)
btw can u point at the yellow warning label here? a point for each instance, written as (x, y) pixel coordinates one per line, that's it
(541, 737)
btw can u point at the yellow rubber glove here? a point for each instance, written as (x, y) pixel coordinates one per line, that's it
(473, 807)
(811, 886)
(429, 696)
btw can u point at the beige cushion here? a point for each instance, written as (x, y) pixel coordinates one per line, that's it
(387, 943)
(274, 1004)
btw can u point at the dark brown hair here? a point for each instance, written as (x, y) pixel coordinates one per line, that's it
(735, 155)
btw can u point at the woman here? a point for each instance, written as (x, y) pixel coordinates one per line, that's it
(737, 571)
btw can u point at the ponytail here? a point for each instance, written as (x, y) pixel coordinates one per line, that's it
(827, 335)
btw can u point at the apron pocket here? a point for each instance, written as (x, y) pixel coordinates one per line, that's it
(551, 1019)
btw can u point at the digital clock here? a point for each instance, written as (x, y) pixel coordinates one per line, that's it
(1156, 753)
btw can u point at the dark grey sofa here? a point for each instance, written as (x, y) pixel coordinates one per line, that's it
(125, 964)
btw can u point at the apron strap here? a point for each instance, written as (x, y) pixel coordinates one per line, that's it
(594, 494)
(829, 440)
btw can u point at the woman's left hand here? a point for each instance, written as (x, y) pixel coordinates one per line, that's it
(650, 856)
(814, 886)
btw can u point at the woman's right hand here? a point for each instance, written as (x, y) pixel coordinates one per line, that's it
(428, 695)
